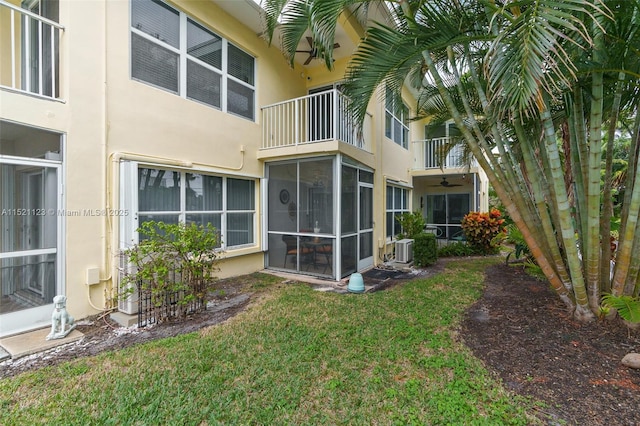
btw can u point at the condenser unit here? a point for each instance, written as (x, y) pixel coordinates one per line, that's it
(129, 304)
(404, 250)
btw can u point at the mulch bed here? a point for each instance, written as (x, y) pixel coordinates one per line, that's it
(521, 330)
(103, 334)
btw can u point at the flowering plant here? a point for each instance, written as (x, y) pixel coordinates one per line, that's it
(480, 229)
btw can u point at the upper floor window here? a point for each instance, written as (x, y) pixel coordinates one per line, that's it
(396, 119)
(172, 51)
(397, 204)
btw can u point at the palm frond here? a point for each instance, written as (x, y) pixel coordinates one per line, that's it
(628, 307)
(376, 62)
(534, 53)
(271, 12)
(296, 17)
(294, 23)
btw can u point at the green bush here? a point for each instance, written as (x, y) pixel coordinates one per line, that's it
(458, 249)
(515, 237)
(412, 224)
(172, 259)
(425, 249)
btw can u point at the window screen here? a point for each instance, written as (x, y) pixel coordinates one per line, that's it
(158, 190)
(153, 64)
(203, 84)
(397, 204)
(204, 45)
(172, 196)
(156, 19)
(240, 99)
(241, 65)
(396, 119)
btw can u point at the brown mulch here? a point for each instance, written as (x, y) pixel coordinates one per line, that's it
(519, 329)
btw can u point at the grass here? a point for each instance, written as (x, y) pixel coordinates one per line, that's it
(297, 357)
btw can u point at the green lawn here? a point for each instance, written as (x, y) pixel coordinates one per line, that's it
(297, 357)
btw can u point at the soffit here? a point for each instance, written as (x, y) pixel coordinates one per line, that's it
(249, 13)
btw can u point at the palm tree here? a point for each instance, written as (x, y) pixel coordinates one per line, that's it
(534, 86)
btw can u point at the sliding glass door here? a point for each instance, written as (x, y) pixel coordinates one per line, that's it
(30, 226)
(445, 212)
(29, 253)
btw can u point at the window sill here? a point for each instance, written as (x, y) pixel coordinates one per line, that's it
(241, 251)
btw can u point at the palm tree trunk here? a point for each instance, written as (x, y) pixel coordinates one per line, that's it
(577, 138)
(634, 153)
(633, 276)
(632, 285)
(592, 241)
(607, 202)
(583, 311)
(626, 242)
(534, 173)
(536, 251)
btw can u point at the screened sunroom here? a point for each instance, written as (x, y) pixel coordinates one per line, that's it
(320, 216)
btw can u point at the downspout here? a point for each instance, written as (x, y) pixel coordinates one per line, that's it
(103, 143)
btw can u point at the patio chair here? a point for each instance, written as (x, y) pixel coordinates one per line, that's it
(458, 236)
(322, 253)
(327, 251)
(292, 249)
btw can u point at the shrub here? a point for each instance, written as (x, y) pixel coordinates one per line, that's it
(425, 249)
(513, 236)
(481, 229)
(495, 203)
(173, 259)
(412, 224)
(458, 248)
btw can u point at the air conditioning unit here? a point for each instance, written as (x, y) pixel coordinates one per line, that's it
(404, 250)
(128, 305)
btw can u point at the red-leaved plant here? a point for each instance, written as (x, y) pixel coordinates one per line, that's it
(480, 229)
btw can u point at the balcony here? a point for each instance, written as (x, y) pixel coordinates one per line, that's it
(437, 153)
(321, 117)
(29, 52)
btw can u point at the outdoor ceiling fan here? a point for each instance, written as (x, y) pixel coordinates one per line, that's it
(313, 51)
(445, 183)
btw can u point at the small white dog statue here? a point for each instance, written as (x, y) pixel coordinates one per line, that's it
(61, 322)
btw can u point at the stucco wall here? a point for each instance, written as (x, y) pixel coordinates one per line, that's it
(105, 115)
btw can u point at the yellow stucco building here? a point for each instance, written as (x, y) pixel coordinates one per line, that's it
(116, 112)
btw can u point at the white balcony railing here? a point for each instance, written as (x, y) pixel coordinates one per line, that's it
(438, 153)
(314, 118)
(29, 46)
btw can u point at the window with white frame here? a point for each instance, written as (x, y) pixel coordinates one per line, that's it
(396, 119)
(172, 51)
(172, 196)
(397, 203)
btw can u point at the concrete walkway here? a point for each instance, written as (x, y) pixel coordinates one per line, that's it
(33, 342)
